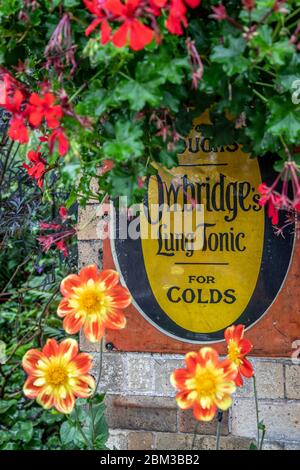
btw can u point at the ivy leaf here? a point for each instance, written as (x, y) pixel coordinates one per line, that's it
(284, 119)
(127, 143)
(231, 55)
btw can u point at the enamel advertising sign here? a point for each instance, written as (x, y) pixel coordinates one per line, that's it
(205, 255)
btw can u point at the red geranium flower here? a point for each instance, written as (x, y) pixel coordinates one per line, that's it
(17, 128)
(132, 30)
(177, 17)
(238, 347)
(44, 108)
(37, 167)
(101, 19)
(268, 197)
(59, 136)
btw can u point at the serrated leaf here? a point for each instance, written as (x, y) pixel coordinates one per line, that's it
(284, 119)
(230, 55)
(127, 143)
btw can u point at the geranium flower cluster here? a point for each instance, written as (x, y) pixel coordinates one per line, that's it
(55, 233)
(277, 196)
(137, 20)
(32, 111)
(58, 374)
(208, 382)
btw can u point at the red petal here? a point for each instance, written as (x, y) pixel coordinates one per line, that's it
(30, 390)
(93, 330)
(120, 297)
(30, 359)
(116, 320)
(67, 284)
(204, 414)
(51, 348)
(120, 37)
(140, 35)
(105, 32)
(92, 26)
(63, 308)
(191, 360)
(89, 272)
(83, 363)
(72, 323)
(68, 348)
(179, 377)
(65, 405)
(183, 401)
(109, 277)
(116, 7)
(246, 368)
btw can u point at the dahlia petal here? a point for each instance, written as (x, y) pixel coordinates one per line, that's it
(84, 386)
(45, 400)
(30, 361)
(109, 278)
(93, 330)
(51, 348)
(73, 322)
(179, 377)
(65, 405)
(224, 403)
(82, 363)
(245, 346)
(116, 320)
(209, 354)
(184, 400)
(191, 360)
(239, 380)
(246, 368)
(204, 414)
(68, 348)
(120, 297)
(68, 283)
(30, 390)
(89, 272)
(64, 308)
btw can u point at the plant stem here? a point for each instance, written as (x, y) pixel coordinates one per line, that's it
(100, 365)
(195, 435)
(218, 432)
(256, 408)
(81, 430)
(260, 96)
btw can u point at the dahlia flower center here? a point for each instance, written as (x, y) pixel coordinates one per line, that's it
(56, 375)
(92, 300)
(206, 384)
(234, 352)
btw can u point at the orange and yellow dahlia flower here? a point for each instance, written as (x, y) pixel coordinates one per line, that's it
(93, 301)
(237, 348)
(57, 375)
(206, 384)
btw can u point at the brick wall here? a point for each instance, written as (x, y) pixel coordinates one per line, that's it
(141, 410)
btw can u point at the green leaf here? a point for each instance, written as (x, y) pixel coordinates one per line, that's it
(127, 143)
(70, 434)
(2, 352)
(138, 94)
(284, 119)
(290, 73)
(22, 431)
(6, 405)
(231, 55)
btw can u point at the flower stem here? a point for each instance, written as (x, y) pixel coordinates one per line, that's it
(218, 433)
(100, 365)
(256, 408)
(78, 424)
(195, 435)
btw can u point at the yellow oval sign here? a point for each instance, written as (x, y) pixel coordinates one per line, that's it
(192, 284)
